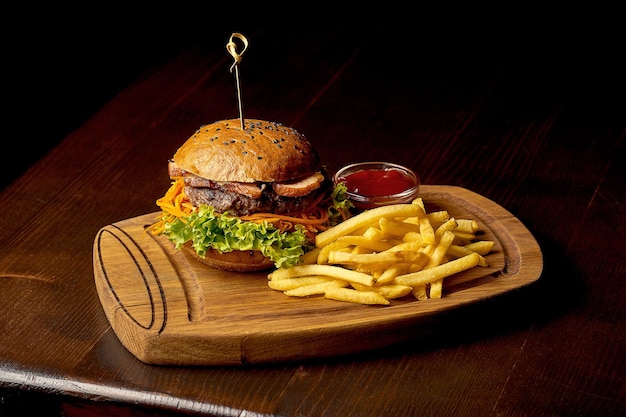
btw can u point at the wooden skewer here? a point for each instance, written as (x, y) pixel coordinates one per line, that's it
(231, 47)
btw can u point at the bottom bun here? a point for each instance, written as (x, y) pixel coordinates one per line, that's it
(236, 261)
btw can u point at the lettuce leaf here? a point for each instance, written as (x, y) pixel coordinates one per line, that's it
(341, 206)
(207, 229)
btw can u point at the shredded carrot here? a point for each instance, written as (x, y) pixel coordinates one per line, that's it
(314, 220)
(318, 217)
(174, 204)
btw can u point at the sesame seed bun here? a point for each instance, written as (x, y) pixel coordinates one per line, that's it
(262, 152)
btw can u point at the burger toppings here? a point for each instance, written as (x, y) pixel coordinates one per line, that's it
(232, 197)
(294, 188)
(283, 238)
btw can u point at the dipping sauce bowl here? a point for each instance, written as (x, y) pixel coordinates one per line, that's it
(374, 184)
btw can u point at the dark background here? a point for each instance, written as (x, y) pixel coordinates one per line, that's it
(60, 70)
(63, 65)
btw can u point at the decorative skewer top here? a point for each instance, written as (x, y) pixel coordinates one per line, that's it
(231, 47)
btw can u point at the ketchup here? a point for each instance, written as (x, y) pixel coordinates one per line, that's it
(378, 182)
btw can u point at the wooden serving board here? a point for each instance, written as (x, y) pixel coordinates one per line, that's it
(167, 308)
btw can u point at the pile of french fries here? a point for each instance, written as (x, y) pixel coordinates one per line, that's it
(385, 253)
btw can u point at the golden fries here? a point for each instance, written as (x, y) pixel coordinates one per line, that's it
(366, 218)
(343, 258)
(384, 254)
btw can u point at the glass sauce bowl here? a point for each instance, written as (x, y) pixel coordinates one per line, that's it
(374, 184)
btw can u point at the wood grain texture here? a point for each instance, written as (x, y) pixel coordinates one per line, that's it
(168, 308)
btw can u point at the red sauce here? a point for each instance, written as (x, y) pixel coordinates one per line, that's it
(378, 182)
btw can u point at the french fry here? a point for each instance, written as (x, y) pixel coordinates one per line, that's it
(427, 231)
(440, 250)
(467, 225)
(315, 289)
(467, 236)
(448, 225)
(354, 296)
(438, 272)
(291, 283)
(420, 293)
(419, 201)
(390, 292)
(482, 247)
(324, 270)
(436, 289)
(311, 256)
(457, 251)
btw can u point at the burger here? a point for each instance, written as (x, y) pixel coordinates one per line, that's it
(248, 196)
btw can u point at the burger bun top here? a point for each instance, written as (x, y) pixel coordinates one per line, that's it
(262, 152)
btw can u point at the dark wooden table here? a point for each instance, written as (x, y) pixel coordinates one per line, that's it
(533, 121)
